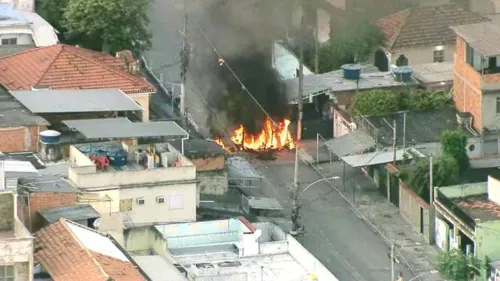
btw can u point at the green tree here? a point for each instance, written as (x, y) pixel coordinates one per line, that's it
(375, 102)
(456, 266)
(454, 144)
(355, 43)
(52, 11)
(108, 25)
(445, 172)
(422, 100)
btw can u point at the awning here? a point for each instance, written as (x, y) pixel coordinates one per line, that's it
(73, 213)
(116, 128)
(71, 101)
(379, 157)
(352, 143)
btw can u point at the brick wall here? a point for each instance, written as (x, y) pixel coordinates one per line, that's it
(6, 211)
(209, 163)
(44, 200)
(17, 139)
(467, 86)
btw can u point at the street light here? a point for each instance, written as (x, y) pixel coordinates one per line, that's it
(296, 197)
(392, 256)
(424, 273)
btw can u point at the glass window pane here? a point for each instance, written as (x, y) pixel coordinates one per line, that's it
(2, 272)
(9, 279)
(9, 271)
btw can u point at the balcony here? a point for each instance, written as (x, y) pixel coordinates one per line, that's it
(114, 164)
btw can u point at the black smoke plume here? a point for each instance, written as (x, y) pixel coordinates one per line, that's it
(244, 35)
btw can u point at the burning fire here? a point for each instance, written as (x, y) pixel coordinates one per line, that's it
(269, 138)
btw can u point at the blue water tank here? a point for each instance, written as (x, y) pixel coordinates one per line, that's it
(118, 159)
(50, 136)
(351, 71)
(403, 73)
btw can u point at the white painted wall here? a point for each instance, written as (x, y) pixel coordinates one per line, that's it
(422, 55)
(153, 212)
(22, 39)
(494, 190)
(18, 252)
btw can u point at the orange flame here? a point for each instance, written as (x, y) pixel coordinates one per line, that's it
(270, 137)
(220, 142)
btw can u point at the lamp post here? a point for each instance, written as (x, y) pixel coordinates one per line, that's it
(297, 193)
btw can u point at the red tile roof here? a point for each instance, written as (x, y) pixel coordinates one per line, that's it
(68, 67)
(426, 26)
(66, 258)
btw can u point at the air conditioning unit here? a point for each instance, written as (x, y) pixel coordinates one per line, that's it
(139, 201)
(160, 199)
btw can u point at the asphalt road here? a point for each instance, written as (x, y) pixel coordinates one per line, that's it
(347, 246)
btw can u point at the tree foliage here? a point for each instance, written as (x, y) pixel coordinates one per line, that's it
(378, 102)
(108, 25)
(445, 172)
(454, 144)
(457, 266)
(375, 102)
(354, 43)
(53, 11)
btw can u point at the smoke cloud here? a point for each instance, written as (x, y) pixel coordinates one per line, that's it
(243, 32)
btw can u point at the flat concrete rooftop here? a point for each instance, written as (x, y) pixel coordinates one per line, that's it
(277, 267)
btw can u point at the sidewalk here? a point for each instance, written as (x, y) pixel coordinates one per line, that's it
(381, 215)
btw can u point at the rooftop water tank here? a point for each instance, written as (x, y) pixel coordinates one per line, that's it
(351, 71)
(403, 73)
(49, 136)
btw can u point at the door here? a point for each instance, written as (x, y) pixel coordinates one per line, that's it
(394, 190)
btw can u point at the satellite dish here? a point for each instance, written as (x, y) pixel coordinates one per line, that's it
(257, 234)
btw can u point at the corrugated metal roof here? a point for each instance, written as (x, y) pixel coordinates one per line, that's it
(63, 101)
(354, 142)
(482, 37)
(13, 166)
(379, 157)
(72, 213)
(47, 183)
(334, 81)
(113, 128)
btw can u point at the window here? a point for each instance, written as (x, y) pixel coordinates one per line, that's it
(160, 199)
(473, 58)
(498, 105)
(125, 205)
(439, 56)
(7, 273)
(176, 202)
(140, 201)
(9, 41)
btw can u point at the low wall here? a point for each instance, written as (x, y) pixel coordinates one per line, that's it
(212, 182)
(144, 239)
(308, 261)
(228, 277)
(418, 213)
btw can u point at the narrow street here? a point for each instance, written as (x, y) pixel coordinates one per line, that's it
(334, 234)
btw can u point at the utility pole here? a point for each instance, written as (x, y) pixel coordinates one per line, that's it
(394, 142)
(296, 191)
(392, 262)
(316, 55)
(431, 187)
(184, 66)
